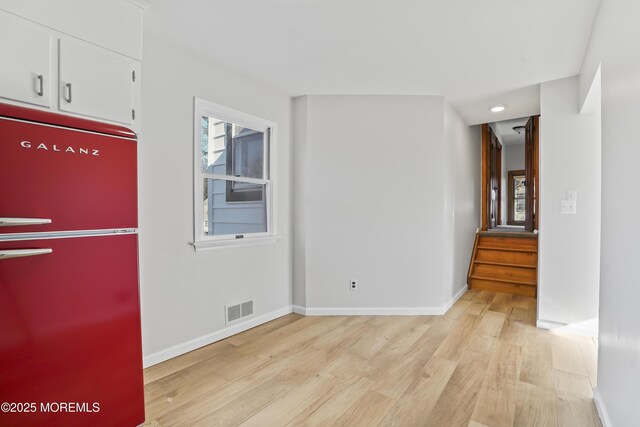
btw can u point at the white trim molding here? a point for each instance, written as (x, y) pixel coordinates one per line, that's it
(185, 347)
(602, 410)
(583, 328)
(379, 311)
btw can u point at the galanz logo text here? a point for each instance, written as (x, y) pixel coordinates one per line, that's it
(61, 149)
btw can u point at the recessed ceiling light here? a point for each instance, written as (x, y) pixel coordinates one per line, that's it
(497, 108)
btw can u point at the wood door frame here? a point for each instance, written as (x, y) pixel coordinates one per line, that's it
(532, 168)
(510, 200)
(499, 183)
(490, 140)
(536, 165)
(486, 180)
(485, 211)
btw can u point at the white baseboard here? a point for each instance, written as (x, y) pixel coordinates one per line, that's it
(379, 311)
(568, 327)
(193, 344)
(455, 298)
(299, 309)
(602, 410)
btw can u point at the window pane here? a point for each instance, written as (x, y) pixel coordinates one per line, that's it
(518, 187)
(229, 149)
(519, 210)
(222, 216)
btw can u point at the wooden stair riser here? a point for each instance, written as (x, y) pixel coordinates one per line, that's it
(505, 264)
(488, 285)
(516, 274)
(508, 243)
(508, 257)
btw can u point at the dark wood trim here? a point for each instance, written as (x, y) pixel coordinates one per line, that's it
(486, 182)
(532, 164)
(499, 183)
(511, 194)
(536, 172)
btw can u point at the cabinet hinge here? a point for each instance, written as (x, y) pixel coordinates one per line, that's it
(133, 114)
(133, 75)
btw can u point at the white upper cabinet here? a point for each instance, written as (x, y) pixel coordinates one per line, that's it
(95, 83)
(25, 55)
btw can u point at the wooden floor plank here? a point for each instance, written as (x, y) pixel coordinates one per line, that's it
(265, 328)
(185, 361)
(491, 324)
(535, 406)
(567, 355)
(372, 407)
(537, 361)
(496, 402)
(327, 411)
(283, 410)
(417, 402)
(502, 303)
(458, 399)
(483, 364)
(577, 412)
(590, 357)
(458, 337)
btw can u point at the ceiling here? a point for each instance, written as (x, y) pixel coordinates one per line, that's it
(506, 132)
(476, 53)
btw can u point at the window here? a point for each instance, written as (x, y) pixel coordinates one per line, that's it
(233, 187)
(517, 191)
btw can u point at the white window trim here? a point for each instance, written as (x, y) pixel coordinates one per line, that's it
(200, 241)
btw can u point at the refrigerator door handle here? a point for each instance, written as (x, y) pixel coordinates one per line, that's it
(19, 253)
(11, 222)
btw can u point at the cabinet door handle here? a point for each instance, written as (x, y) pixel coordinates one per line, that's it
(68, 85)
(40, 85)
(19, 253)
(12, 222)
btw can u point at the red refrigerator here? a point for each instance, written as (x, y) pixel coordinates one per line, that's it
(70, 343)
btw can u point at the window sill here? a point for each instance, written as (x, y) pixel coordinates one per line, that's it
(220, 244)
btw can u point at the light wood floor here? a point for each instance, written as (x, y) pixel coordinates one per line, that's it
(481, 364)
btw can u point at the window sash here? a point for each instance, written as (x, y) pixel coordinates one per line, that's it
(204, 108)
(235, 236)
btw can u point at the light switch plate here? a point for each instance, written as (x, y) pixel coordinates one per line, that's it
(572, 195)
(568, 207)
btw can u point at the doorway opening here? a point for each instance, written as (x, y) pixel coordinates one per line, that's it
(510, 190)
(505, 250)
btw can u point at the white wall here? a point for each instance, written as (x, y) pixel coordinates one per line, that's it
(569, 245)
(615, 34)
(377, 204)
(464, 163)
(183, 292)
(513, 157)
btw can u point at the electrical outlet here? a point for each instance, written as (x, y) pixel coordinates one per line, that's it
(353, 284)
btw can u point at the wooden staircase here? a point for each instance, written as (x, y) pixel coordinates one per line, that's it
(505, 262)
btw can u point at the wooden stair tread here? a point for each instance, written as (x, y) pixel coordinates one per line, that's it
(494, 248)
(513, 282)
(503, 234)
(504, 264)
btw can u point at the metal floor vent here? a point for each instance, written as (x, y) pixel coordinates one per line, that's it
(238, 311)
